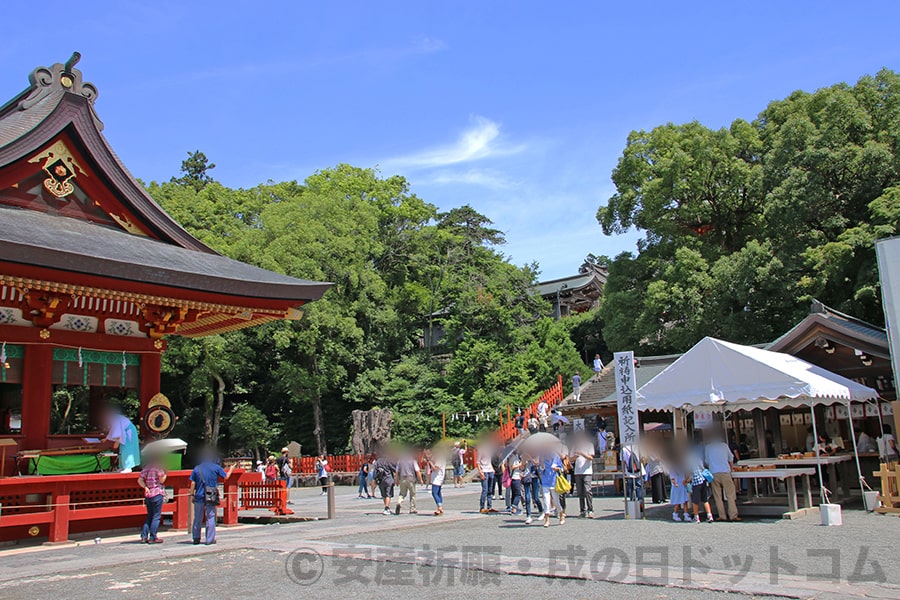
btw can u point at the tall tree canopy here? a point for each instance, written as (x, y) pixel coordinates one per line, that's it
(744, 225)
(398, 267)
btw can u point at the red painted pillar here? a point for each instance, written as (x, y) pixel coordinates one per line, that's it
(37, 387)
(150, 368)
(182, 506)
(59, 527)
(230, 512)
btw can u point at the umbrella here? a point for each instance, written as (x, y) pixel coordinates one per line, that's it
(164, 446)
(540, 441)
(558, 418)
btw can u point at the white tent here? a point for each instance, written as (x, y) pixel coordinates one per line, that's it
(720, 374)
(714, 373)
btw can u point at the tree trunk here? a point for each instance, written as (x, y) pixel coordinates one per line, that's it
(217, 411)
(319, 429)
(207, 418)
(318, 422)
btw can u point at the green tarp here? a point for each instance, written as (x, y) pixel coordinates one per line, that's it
(68, 464)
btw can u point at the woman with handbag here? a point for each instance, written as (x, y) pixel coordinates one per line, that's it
(552, 481)
(205, 492)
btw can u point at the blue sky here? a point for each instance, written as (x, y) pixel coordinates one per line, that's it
(520, 109)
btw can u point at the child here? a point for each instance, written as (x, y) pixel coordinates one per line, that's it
(679, 493)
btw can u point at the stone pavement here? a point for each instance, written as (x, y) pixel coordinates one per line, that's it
(363, 551)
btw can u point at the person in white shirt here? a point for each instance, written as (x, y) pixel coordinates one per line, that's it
(887, 445)
(544, 415)
(865, 443)
(719, 459)
(583, 453)
(437, 461)
(598, 366)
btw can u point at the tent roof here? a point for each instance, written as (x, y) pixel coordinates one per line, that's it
(716, 373)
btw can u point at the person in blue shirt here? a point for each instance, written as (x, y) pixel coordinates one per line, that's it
(205, 476)
(550, 465)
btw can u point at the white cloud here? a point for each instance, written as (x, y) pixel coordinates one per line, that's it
(479, 141)
(480, 177)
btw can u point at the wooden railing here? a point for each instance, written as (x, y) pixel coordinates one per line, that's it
(552, 397)
(53, 506)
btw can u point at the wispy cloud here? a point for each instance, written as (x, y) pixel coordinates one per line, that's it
(479, 141)
(488, 178)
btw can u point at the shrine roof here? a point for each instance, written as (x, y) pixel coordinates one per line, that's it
(40, 239)
(133, 239)
(570, 284)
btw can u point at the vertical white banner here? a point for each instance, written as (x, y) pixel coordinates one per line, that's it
(887, 253)
(626, 388)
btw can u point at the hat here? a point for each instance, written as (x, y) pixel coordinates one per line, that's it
(272, 457)
(285, 450)
(259, 462)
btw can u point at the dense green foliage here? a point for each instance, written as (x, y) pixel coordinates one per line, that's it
(745, 225)
(394, 260)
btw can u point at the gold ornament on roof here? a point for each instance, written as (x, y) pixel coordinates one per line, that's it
(61, 167)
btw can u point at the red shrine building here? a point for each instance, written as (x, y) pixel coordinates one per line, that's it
(94, 274)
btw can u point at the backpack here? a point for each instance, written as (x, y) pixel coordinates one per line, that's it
(381, 472)
(271, 471)
(455, 460)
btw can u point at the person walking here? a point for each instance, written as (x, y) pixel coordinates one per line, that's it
(408, 473)
(531, 487)
(550, 467)
(720, 458)
(486, 474)
(543, 414)
(576, 387)
(520, 421)
(533, 424)
(363, 481)
(583, 451)
(205, 492)
(598, 366)
(385, 469)
(438, 464)
(514, 468)
(152, 478)
(498, 472)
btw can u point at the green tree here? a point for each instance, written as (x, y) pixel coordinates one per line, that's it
(249, 426)
(195, 171)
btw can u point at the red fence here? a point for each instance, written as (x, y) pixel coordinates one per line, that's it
(253, 492)
(552, 397)
(56, 505)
